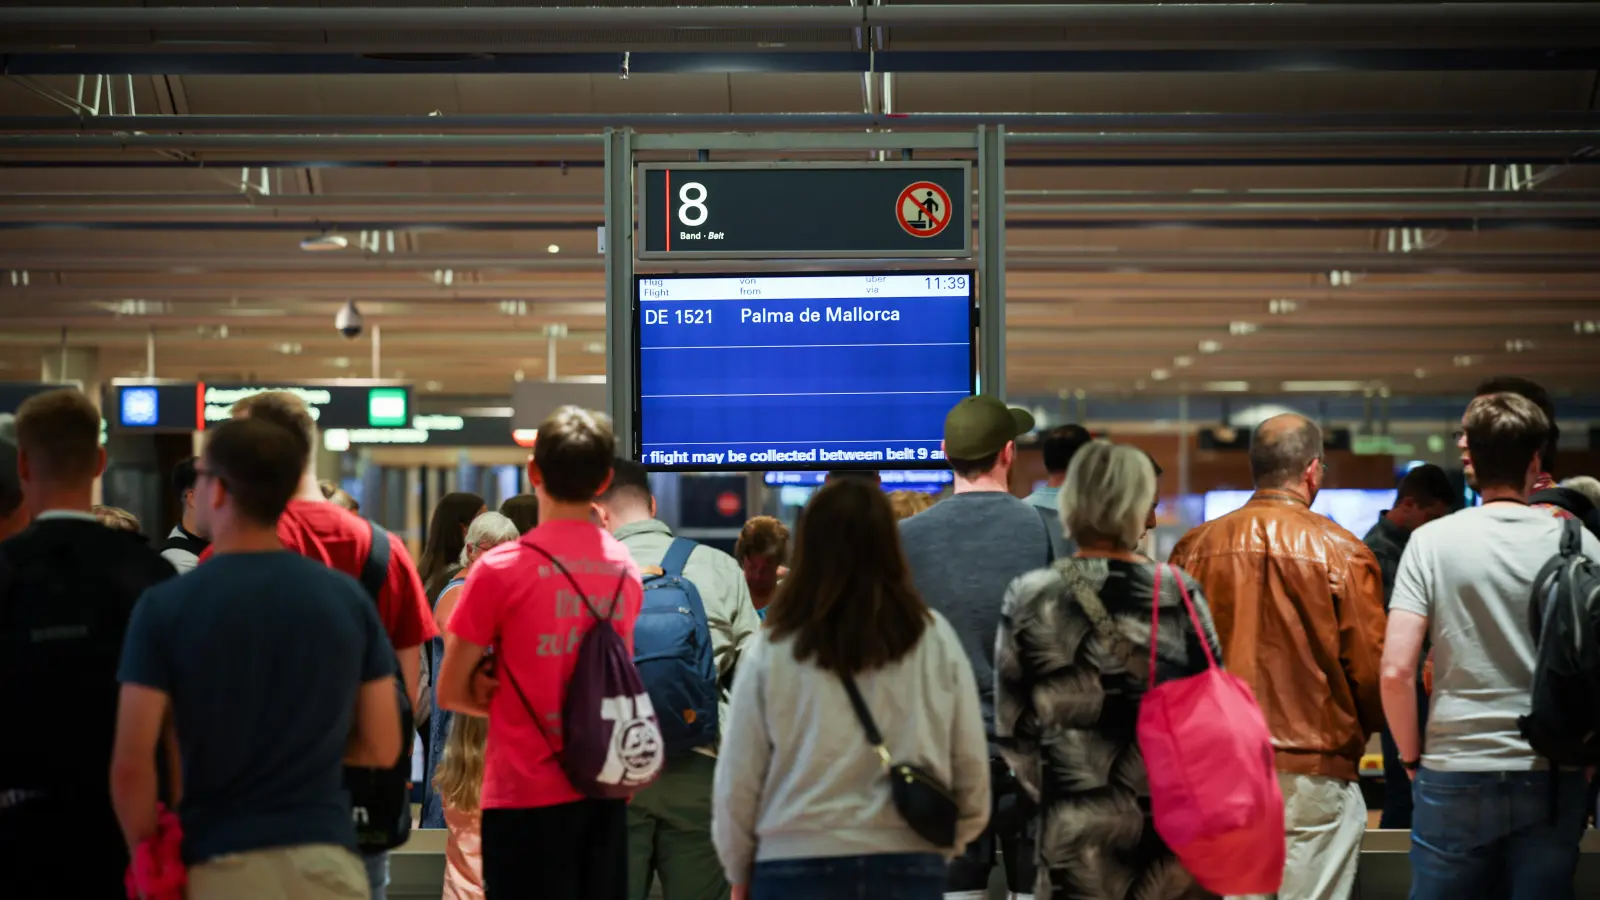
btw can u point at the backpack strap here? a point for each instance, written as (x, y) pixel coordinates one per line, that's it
(526, 703)
(677, 557)
(1571, 537)
(375, 571)
(1571, 546)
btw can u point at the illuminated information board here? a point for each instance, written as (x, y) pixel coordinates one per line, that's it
(800, 371)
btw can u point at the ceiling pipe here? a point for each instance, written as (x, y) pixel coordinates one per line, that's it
(1269, 261)
(1573, 141)
(1136, 212)
(573, 205)
(523, 123)
(1087, 16)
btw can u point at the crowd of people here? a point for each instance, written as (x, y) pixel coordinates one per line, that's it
(905, 696)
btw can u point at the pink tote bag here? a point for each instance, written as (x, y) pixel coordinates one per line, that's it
(1213, 785)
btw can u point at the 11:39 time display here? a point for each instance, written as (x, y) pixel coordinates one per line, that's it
(946, 282)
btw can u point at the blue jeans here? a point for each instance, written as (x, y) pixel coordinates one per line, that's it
(378, 874)
(1492, 835)
(884, 876)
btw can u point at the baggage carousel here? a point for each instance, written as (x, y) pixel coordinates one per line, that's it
(418, 867)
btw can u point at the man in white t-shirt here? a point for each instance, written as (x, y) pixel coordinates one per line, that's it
(1488, 821)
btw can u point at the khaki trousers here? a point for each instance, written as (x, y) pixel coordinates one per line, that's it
(1324, 822)
(306, 872)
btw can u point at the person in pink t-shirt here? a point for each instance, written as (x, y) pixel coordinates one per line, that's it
(541, 837)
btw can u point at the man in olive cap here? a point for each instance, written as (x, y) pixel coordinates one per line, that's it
(963, 553)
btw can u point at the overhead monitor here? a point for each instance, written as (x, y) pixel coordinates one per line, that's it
(1356, 509)
(813, 371)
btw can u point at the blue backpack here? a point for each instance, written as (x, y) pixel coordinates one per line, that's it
(672, 650)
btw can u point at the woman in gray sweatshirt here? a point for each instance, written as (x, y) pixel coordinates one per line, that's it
(802, 801)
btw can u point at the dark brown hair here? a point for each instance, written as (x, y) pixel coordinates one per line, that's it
(447, 534)
(258, 462)
(848, 600)
(60, 433)
(1504, 433)
(1535, 392)
(573, 451)
(765, 537)
(284, 410)
(523, 511)
(974, 468)
(1060, 443)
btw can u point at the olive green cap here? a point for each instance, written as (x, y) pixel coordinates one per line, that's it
(981, 425)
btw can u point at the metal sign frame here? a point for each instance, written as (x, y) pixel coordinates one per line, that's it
(643, 210)
(620, 217)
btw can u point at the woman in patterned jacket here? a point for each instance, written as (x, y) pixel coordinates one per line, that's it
(1067, 705)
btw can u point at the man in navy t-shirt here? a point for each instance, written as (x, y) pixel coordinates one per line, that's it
(275, 670)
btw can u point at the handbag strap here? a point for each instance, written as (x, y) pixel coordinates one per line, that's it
(864, 716)
(1155, 620)
(1095, 608)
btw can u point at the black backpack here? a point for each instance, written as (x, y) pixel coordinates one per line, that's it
(1564, 615)
(380, 799)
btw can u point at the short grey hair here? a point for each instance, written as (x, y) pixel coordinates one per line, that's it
(1108, 494)
(1585, 485)
(490, 528)
(1281, 448)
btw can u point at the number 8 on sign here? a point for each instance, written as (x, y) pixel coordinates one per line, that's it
(693, 206)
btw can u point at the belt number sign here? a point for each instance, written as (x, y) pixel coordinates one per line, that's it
(923, 209)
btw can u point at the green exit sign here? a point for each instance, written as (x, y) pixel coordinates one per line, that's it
(386, 408)
(1379, 445)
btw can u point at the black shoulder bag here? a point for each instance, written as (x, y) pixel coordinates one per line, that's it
(923, 802)
(380, 799)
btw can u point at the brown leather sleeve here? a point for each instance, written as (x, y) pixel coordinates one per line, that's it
(1361, 627)
(1180, 551)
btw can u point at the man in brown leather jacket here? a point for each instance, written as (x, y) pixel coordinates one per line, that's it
(1298, 605)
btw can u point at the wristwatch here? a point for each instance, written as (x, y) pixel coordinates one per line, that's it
(1411, 765)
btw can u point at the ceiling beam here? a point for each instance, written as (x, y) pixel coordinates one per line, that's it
(1430, 24)
(1036, 261)
(468, 57)
(1413, 123)
(445, 221)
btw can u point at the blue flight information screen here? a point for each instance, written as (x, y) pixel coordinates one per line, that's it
(779, 372)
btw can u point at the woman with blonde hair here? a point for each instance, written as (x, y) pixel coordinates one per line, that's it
(458, 782)
(488, 531)
(338, 496)
(1066, 700)
(908, 503)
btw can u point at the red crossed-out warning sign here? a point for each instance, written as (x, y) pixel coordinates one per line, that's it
(923, 209)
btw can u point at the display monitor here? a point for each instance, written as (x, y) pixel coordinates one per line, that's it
(1357, 510)
(813, 371)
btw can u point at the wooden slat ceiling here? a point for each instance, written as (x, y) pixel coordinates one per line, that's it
(1108, 310)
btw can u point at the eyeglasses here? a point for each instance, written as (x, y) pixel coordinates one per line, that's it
(200, 473)
(1459, 438)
